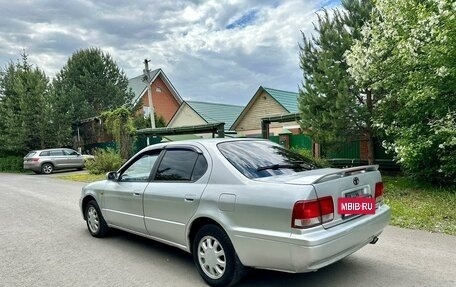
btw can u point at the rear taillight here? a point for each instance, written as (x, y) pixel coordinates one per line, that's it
(308, 213)
(379, 192)
(35, 159)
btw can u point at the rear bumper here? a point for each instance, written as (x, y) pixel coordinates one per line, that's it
(32, 166)
(339, 242)
(311, 249)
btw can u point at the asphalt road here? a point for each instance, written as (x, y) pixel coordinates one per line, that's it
(44, 242)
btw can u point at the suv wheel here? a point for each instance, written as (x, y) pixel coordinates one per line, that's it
(47, 168)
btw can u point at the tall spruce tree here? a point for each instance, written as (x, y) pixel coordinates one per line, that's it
(333, 109)
(25, 121)
(89, 84)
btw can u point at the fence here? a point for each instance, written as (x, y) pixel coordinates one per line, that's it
(89, 148)
(345, 155)
(296, 141)
(351, 154)
(138, 144)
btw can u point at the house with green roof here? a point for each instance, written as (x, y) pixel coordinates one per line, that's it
(267, 102)
(197, 113)
(165, 98)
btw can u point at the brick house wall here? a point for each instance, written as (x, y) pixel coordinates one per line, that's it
(164, 102)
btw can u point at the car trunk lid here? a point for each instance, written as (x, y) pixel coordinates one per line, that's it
(347, 183)
(336, 183)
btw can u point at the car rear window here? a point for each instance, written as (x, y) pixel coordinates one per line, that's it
(256, 159)
(30, 154)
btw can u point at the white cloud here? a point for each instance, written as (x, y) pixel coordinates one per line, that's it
(189, 40)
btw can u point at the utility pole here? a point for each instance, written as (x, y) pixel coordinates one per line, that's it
(149, 92)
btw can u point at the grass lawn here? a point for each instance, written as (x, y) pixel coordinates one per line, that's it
(418, 206)
(413, 205)
(85, 177)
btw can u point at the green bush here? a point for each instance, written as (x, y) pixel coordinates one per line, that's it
(428, 156)
(11, 163)
(104, 161)
(307, 154)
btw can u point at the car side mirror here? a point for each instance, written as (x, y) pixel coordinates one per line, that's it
(112, 175)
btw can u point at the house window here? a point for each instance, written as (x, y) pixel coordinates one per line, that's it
(146, 111)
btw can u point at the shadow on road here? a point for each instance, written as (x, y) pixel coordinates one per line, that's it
(58, 172)
(341, 273)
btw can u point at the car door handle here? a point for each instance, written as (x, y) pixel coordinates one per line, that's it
(189, 197)
(136, 194)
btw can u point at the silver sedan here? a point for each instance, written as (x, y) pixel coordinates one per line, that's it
(236, 203)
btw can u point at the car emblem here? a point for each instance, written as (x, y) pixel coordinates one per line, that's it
(355, 181)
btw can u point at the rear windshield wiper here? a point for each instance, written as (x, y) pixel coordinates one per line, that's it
(285, 165)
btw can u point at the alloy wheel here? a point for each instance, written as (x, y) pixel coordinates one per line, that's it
(93, 221)
(47, 168)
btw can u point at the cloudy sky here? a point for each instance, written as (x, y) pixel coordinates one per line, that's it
(211, 50)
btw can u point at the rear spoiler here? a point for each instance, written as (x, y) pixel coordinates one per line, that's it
(345, 172)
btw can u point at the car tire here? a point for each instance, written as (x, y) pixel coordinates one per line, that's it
(215, 257)
(47, 168)
(95, 222)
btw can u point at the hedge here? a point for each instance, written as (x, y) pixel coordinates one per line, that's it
(11, 164)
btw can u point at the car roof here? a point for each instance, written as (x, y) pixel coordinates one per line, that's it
(49, 149)
(204, 142)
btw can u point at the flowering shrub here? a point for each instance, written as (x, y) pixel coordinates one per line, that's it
(445, 130)
(407, 54)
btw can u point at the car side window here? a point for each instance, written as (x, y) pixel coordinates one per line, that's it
(200, 168)
(180, 165)
(70, 152)
(56, 153)
(140, 169)
(43, 153)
